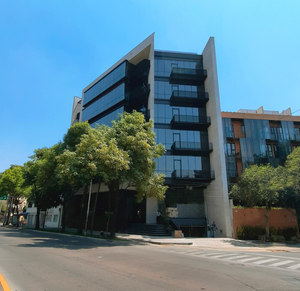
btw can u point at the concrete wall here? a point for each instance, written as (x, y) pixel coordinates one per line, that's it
(282, 218)
(216, 194)
(75, 110)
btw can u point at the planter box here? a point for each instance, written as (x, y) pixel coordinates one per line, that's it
(177, 234)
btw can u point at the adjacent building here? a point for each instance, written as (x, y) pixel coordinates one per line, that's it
(258, 137)
(180, 92)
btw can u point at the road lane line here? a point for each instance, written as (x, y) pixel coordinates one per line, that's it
(281, 263)
(265, 261)
(294, 267)
(3, 283)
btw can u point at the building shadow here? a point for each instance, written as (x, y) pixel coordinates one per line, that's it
(43, 239)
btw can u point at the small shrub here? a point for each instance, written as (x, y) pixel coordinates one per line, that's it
(274, 238)
(250, 232)
(273, 231)
(262, 238)
(279, 231)
(289, 232)
(280, 238)
(295, 240)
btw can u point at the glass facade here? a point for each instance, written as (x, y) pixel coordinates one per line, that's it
(107, 101)
(163, 90)
(113, 77)
(264, 142)
(163, 113)
(107, 119)
(168, 136)
(167, 164)
(163, 68)
(178, 165)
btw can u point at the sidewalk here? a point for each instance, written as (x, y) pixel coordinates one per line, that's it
(205, 243)
(215, 243)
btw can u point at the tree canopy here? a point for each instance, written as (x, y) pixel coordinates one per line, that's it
(12, 183)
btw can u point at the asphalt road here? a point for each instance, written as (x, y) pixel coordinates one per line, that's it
(43, 261)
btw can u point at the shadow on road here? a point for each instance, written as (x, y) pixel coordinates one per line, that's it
(40, 239)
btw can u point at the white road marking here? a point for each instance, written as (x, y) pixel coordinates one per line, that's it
(281, 263)
(251, 259)
(237, 257)
(294, 267)
(264, 261)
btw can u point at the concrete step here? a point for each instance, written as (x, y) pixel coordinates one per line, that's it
(147, 229)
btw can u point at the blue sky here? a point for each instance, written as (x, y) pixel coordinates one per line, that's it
(51, 50)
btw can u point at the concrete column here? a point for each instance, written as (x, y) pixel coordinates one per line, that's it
(216, 194)
(151, 210)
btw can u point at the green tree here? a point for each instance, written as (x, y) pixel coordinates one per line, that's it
(71, 176)
(259, 185)
(292, 166)
(290, 175)
(12, 183)
(130, 161)
(40, 175)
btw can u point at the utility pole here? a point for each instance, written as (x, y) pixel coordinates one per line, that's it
(88, 208)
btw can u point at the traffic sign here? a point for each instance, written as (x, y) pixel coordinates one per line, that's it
(4, 197)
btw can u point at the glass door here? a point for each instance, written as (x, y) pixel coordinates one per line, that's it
(176, 140)
(177, 168)
(175, 113)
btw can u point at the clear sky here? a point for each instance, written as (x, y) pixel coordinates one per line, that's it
(51, 49)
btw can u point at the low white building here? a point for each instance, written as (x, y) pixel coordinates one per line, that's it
(52, 217)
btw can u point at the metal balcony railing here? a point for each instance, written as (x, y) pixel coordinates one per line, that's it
(193, 174)
(187, 76)
(189, 145)
(190, 119)
(191, 72)
(189, 94)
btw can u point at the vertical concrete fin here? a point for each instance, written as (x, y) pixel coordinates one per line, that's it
(216, 194)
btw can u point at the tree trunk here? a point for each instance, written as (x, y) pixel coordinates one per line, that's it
(82, 211)
(37, 223)
(63, 219)
(267, 215)
(114, 193)
(94, 209)
(44, 220)
(18, 214)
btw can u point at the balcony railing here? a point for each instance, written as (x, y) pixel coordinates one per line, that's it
(188, 98)
(191, 146)
(193, 174)
(188, 76)
(190, 119)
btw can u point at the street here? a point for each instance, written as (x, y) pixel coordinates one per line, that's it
(32, 261)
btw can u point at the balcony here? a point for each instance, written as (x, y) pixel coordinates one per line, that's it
(193, 175)
(191, 147)
(188, 99)
(190, 122)
(187, 76)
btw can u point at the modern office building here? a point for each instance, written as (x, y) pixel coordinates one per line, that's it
(180, 92)
(258, 137)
